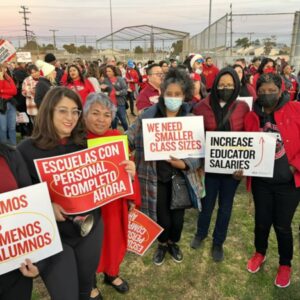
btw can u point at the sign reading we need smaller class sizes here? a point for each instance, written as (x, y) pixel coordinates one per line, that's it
(181, 137)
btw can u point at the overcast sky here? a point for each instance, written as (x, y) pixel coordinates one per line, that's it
(92, 17)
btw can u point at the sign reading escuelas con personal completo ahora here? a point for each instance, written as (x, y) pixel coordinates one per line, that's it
(84, 180)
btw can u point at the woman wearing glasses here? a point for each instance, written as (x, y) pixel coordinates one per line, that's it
(59, 130)
(221, 112)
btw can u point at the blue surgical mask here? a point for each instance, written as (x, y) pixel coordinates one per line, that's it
(173, 103)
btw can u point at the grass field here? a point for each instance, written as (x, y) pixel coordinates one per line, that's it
(198, 277)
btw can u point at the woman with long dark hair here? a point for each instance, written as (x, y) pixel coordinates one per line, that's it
(59, 129)
(77, 82)
(116, 88)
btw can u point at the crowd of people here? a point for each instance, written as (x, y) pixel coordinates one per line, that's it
(67, 104)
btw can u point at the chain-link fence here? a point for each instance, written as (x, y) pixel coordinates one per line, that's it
(248, 35)
(213, 37)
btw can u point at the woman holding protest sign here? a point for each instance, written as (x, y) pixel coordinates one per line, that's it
(58, 130)
(99, 112)
(276, 198)
(221, 112)
(156, 177)
(13, 285)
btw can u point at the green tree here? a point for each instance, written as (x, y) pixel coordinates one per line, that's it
(31, 45)
(177, 47)
(256, 42)
(49, 47)
(70, 48)
(84, 49)
(138, 50)
(243, 42)
(269, 43)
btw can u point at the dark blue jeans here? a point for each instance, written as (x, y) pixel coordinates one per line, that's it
(8, 125)
(225, 186)
(121, 115)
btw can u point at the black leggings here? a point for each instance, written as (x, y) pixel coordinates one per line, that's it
(69, 274)
(170, 220)
(275, 204)
(14, 285)
(131, 101)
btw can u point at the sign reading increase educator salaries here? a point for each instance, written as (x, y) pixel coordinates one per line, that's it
(27, 227)
(181, 137)
(252, 152)
(84, 180)
(142, 232)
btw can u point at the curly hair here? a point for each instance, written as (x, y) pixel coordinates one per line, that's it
(269, 78)
(180, 77)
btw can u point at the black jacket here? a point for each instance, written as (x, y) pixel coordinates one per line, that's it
(30, 152)
(221, 112)
(42, 87)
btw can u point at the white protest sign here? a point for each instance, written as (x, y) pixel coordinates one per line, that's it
(23, 57)
(27, 227)
(181, 137)
(252, 152)
(7, 51)
(248, 100)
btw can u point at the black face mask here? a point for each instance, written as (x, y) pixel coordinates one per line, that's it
(268, 100)
(225, 94)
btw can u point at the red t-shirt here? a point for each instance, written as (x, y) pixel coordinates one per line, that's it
(112, 94)
(82, 88)
(147, 97)
(210, 73)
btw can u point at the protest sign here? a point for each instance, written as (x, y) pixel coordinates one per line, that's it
(102, 140)
(7, 51)
(142, 232)
(248, 100)
(181, 137)
(23, 57)
(84, 180)
(252, 152)
(27, 227)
